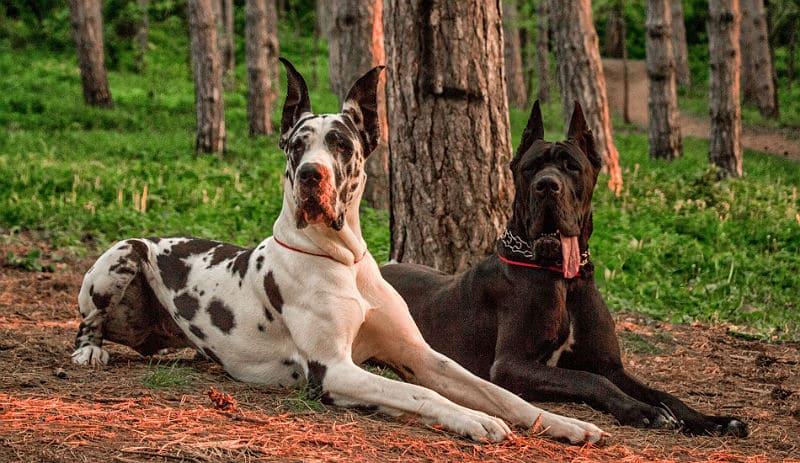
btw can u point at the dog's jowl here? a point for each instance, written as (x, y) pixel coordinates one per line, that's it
(307, 304)
(530, 317)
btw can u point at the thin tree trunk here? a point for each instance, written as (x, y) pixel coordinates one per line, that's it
(261, 31)
(515, 76)
(757, 72)
(207, 77)
(664, 133)
(450, 145)
(542, 50)
(613, 41)
(580, 75)
(679, 48)
(141, 34)
(87, 30)
(626, 114)
(725, 149)
(227, 45)
(790, 72)
(355, 45)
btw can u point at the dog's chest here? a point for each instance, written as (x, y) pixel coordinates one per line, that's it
(564, 346)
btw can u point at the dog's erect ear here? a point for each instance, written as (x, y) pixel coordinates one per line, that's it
(297, 102)
(533, 131)
(580, 132)
(361, 104)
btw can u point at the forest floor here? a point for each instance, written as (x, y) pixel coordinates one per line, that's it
(159, 409)
(769, 140)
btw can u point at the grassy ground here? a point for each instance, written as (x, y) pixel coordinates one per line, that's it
(676, 245)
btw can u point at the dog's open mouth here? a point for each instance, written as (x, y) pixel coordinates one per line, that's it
(546, 246)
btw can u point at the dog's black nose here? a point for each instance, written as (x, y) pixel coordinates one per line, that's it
(547, 185)
(310, 174)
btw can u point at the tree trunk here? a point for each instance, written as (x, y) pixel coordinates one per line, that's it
(679, 48)
(515, 75)
(790, 72)
(542, 50)
(614, 43)
(580, 75)
(758, 86)
(227, 46)
(207, 77)
(355, 45)
(87, 30)
(141, 34)
(450, 147)
(626, 106)
(664, 132)
(261, 31)
(725, 149)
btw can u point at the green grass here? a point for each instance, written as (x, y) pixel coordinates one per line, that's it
(169, 376)
(676, 245)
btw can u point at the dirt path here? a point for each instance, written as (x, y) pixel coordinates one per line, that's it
(757, 139)
(51, 410)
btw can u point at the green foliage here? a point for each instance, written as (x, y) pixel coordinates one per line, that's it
(30, 262)
(173, 375)
(676, 245)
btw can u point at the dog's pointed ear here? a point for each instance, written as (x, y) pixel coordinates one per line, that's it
(577, 124)
(297, 102)
(361, 104)
(580, 132)
(533, 131)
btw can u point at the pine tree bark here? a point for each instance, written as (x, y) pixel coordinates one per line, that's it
(355, 45)
(542, 50)
(207, 70)
(87, 30)
(515, 74)
(758, 86)
(262, 50)
(679, 48)
(664, 133)
(142, 31)
(450, 145)
(227, 46)
(580, 76)
(725, 148)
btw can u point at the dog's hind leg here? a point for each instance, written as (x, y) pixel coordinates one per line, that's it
(103, 288)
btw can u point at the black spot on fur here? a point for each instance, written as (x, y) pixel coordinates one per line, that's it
(261, 327)
(326, 399)
(273, 293)
(139, 250)
(295, 375)
(174, 270)
(316, 375)
(91, 290)
(259, 263)
(221, 316)
(223, 252)
(268, 314)
(241, 263)
(154, 239)
(101, 301)
(197, 332)
(187, 306)
(288, 362)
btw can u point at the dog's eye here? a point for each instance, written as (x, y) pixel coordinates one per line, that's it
(572, 165)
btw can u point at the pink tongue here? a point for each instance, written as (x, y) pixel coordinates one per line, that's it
(570, 256)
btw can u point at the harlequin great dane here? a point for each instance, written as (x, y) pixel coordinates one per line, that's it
(530, 317)
(308, 303)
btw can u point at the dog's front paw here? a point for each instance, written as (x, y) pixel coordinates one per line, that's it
(477, 426)
(90, 355)
(716, 426)
(570, 429)
(641, 415)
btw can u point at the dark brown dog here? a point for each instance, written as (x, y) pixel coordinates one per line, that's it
(530, 317)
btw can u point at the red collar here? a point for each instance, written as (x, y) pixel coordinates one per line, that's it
(313, 254)
(551, 268)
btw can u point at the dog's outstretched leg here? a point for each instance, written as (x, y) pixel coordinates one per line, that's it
(103, 287)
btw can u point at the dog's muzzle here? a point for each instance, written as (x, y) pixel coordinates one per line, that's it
(315, 195)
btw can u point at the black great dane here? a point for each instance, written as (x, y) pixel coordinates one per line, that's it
(530, 317)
